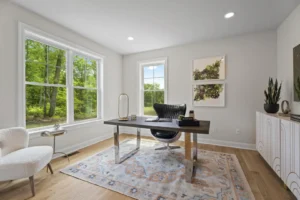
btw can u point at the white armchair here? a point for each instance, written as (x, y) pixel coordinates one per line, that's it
(17, 160)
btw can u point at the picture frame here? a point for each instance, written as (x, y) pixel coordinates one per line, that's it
(209, 68)
(209, 94)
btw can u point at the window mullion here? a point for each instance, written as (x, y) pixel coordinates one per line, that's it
(85, 88)
(100, 113)
(47, 62)
(44, 84)
(142, 96)
(70, 88)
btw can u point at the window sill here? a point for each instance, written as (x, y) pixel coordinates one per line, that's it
(35, 133)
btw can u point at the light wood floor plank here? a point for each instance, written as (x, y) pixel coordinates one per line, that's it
(264, 183)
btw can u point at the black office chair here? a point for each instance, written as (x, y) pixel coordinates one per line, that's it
(168, 112)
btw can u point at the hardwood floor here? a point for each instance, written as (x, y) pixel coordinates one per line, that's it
(263, 181)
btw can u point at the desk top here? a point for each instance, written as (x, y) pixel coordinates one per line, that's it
(166, 126)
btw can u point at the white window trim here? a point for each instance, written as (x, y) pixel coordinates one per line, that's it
(27, 32)
(140, 100)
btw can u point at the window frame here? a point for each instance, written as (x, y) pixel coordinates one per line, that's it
(27, 32)
(141, 65)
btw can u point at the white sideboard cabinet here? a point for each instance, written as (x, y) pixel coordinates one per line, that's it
(278, 142)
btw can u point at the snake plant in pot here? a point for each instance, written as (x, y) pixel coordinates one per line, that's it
(272, 95)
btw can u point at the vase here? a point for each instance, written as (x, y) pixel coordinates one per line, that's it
(271, 108)
(123, 107)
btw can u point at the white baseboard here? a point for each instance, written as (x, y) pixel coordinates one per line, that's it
(128, 130)
(223, 143)
(76, 147)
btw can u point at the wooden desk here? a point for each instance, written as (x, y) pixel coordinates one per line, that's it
(167, 126)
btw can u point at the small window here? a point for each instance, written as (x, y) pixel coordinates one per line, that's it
(153, 85)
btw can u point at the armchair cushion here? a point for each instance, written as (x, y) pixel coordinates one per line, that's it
(25, 162)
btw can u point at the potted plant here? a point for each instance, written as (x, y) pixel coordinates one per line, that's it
(272, 95)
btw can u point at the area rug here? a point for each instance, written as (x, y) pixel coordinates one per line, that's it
(159, 175)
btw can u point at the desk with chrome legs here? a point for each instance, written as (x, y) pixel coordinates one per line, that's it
(140, 122)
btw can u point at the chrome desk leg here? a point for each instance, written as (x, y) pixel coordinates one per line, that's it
(117, 145)
(188, 161)
(119, 160)
(195, 142)
(138, 138)
(195, 153)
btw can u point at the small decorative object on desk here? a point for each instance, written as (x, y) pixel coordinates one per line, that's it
(191, 114)
(285, 110)
(272, 95)
(123, 107)
(133, 117)
(188, 121)
(180, 117)
(56, 126)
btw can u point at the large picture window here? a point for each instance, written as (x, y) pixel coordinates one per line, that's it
(62, 85)
(153, 85)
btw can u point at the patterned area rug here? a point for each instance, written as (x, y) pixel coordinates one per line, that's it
(159, 175)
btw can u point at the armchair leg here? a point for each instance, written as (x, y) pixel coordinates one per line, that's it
(31, 180)
(50, 168)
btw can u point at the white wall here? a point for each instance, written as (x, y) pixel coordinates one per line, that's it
(9, 17)
(250, 60)
(288, 36)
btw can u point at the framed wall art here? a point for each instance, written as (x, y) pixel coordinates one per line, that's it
(209, 94)
(209, 69)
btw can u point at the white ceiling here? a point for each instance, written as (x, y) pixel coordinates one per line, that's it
(160, 23)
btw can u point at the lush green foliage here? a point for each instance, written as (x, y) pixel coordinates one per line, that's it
(273, 92)
(85, 76)
(207, 91)
(46, 105)
(152, 94)
(149, 111)
(210, 72)
(297, 87)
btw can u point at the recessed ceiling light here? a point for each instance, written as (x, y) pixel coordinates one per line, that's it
(130, 38)
(229, 15)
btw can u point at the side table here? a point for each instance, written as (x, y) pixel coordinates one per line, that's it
(55, 132)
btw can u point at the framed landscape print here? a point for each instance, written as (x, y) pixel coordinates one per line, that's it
(209, 94)
(209, 69)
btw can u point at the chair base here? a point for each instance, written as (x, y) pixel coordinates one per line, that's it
(168, 147)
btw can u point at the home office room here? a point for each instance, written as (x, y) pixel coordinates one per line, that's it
(149, 99)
